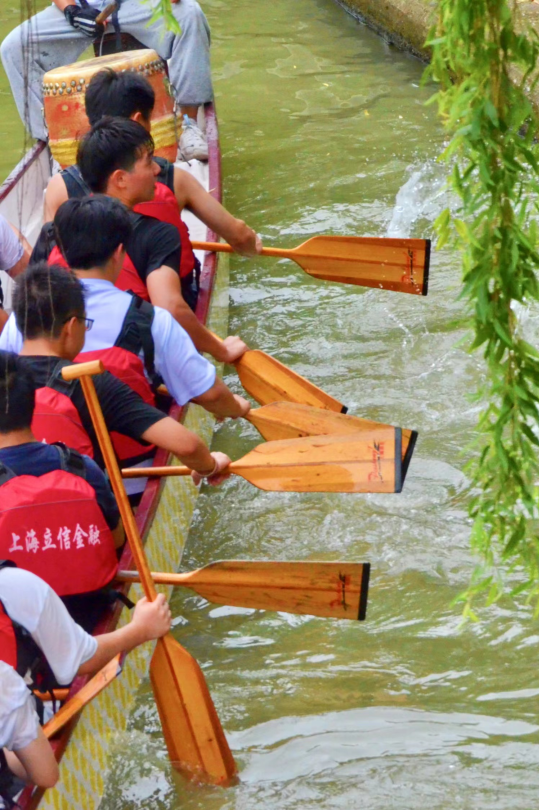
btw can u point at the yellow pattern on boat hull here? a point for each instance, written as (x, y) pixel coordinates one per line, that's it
(85, 764)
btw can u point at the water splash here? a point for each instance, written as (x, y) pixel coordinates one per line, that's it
(423, 197)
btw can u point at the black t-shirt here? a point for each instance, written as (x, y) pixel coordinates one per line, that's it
(152, 244)
(124, 411)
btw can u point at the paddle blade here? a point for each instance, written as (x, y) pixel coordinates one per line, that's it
(196, 743)
(361, 462)
(330, 589)
(287, 420)
(401, 265)
(267, 381)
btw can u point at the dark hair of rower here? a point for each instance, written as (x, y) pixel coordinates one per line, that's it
(90, 229)
(111, 144)
(17, 394)
(118, 93)
(45, 298)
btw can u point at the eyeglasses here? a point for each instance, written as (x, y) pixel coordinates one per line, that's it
(88, 322)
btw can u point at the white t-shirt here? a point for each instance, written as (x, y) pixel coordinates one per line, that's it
(28, 600)
(186, 373)
(19, 722)
(11, 249)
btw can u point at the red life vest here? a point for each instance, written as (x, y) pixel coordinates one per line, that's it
(124, 361)
(56, 418)
(53, 526)
(164, 207)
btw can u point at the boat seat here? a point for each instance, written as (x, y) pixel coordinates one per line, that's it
(108, 44)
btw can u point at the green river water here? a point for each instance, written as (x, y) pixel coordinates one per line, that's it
(324, 130)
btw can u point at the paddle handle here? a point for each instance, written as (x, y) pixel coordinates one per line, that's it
(115, 477)
(105, 14)
(155, 472)
(90, 690)
(222, 247)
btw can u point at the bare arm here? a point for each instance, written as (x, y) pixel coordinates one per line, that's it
(192, 195)
(183, 443)
(150, 620)
(165, 291)
(35, 762)
(56, 192)
(220, 401)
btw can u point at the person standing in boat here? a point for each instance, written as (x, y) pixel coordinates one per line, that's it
(116, 158)
(48, 304)
(126, 94)
(41, 643)
(59, 34)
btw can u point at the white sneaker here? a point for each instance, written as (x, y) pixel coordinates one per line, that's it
(193, 145)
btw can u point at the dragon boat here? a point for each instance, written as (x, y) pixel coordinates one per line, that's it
(84, 746)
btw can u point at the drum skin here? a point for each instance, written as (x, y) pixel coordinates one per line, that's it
(63, 101)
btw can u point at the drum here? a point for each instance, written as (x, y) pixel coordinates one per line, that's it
(63, 101)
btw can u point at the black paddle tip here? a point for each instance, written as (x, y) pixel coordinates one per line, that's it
(364, 593)
(425, 287)
(409, 453)
(344, 409)
(399, 477)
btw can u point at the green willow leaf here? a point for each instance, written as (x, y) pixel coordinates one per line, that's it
(477, 51)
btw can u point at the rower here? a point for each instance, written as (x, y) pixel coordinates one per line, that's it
(128, 94)
(116, 158)
(48, 303)
(92, 232)
(58, 516)
(41, 643)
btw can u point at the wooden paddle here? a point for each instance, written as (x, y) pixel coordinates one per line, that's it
(88, 692)
(267, 380)
(333, 589)
(195, 739)
(401, 265)
(290, 420)
(361, 462)
(105, 14)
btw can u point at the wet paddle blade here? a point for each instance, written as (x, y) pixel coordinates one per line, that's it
(336, 590)
(401, 265)
(287, 420)
(267, 380)
(195, 741)
(361, 462)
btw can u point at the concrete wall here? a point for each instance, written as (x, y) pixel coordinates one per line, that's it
(403, 22)
(407, 22)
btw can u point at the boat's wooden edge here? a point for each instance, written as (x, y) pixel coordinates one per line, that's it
(149, 503)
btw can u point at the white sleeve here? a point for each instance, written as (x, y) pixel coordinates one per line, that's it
(33, 604)
(19, 722)
(11, 249)
(10, 337)
(186, 373)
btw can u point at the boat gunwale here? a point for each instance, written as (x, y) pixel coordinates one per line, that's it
(149, 504)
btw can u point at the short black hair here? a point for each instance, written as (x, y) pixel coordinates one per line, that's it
(90, 229)
(17, 394)
(111, 144)
(121, 93)
(45, 297)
